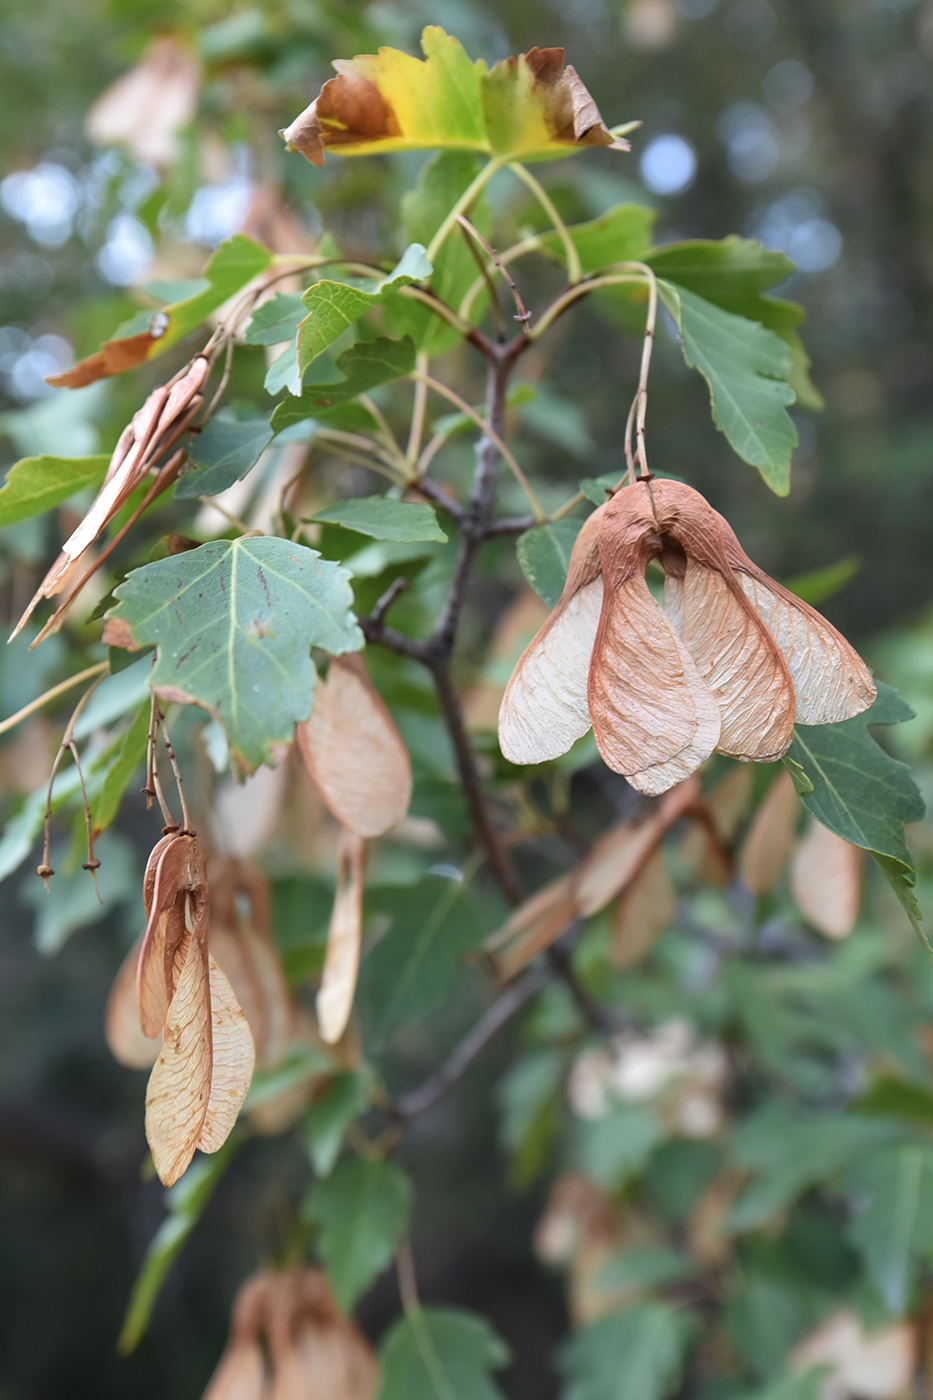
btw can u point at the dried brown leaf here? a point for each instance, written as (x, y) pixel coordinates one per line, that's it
(545, 709)
(771, 837)
(354, 753)
(645, 911)
(826, 879)
(125, 1038)
(870, 1365)
(342, 961)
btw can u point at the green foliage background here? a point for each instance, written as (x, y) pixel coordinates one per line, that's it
(75, 1217)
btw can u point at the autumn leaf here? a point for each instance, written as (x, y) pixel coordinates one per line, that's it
(532, 105)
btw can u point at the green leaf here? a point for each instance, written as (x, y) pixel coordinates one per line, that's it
(74, 901)
(860, 792)
(522, 107)
(327, 1121)
(186, 1201)
(363, 1210)
(638, 1354)
(224, 451)
(806, 1387)
(818, 585)
(147, 334)
(790, 1151)
(364, 366)
(384, 519)
(233, 623)
(644, 1267)
(544, 555)
(622, 234)
(37, 484)
(333, 306)
(746, 368)
(441, 1354)
(614, 1148)
(894, 1226)
(129, 756)
(529, 1103)
(734, 274)
(276, 320)
(897, 1098)
(413, 966)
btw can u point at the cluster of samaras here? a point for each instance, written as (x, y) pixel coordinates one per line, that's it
(729, 663)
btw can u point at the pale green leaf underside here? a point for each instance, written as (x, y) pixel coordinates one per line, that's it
(441, 1354)
(233, 623)
(544, 555)
(384, 519)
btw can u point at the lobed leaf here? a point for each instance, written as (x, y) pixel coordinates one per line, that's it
(224, 451)
(364, 367)
(747, 369)
(622, 234)
(384, 519)
(233, 623)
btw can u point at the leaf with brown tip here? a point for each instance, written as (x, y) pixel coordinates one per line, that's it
(233, 1059)
(354, 752)
(179, 1086)
(771, 837)
(544, 709)
(342, 961)
(125, 1038)
(826, 879)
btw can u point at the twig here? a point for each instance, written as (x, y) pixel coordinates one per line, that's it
(523, 315)
(513, 525)
(383, 605)
(506, 1006)
(92, 864)
(44, 871)
(487, 280)
(185, 817)
(463, 203)
(574, 266)
(439, 496)
(52, 694)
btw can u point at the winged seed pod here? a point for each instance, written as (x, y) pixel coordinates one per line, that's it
(826, 879)
(205, 1064)
(353, 752)
(729, 663)
(342, 960)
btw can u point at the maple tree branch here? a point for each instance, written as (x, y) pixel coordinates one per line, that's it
(506, 1006)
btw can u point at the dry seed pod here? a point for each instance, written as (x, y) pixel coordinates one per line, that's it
(244, 950)
(645, 910)
(241, 1370)
(705, 849)
(826, 879)
(354, 753)
(342, 961)
(728, 663)
(771, 837)
(871, 1366)
(125, 1038)
(314, 1353)
(148, 106)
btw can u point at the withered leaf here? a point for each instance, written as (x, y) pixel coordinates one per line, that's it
(354, 753)
(342, 961)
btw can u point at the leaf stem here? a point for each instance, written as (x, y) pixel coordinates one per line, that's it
(52, 694)
(419, 404)
(491, 168)
(581, 289)
(574, 266)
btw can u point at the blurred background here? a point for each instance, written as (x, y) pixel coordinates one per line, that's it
(804, 124)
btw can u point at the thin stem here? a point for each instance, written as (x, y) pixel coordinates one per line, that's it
(185, 817)
(447, 313)
(419, 404)
(45, 869)
(581, 289)
(385, 430)
(463, 204)
(506, 1006)
(508, 256)
(237, 524)
(407, 1279)
(487, 280)
(92, 864)
(494, 437)
(574, 266)
(523, 315)
(472, 782)
(430, 488)
(641, 394)
(629, 456)
(52, 694)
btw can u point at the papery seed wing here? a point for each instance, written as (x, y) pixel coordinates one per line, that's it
(645, 910)
(831, 681)
(240, 1373)
(620, 854)
(179, 1086)
(178, 868)
(544, 710)
(771, 837)
(342, 961)
(233, 956)
(280, 1009)
(233, 1061)
(738, 659)
(654, 718)
(826, 879)
(125, 1038)
(354, 753)
(336, 1362)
